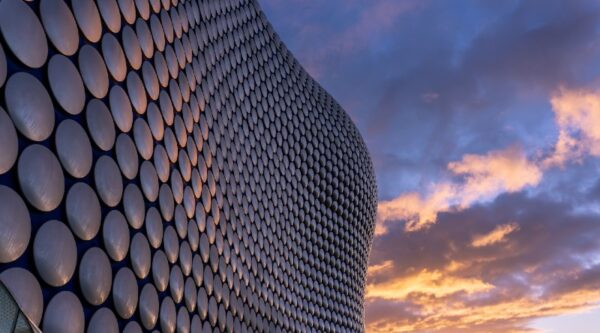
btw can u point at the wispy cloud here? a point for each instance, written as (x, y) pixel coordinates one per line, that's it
(473, 271)
(495, 236)
(577, 114)
(474, 178)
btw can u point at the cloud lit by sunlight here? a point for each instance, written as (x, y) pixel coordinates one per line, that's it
(495, 236)
(462, 296)
(577, 116)
(476, 178)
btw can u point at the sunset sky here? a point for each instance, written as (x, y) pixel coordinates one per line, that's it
(483, 122)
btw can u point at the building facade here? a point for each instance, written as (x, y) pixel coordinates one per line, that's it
(168, 165)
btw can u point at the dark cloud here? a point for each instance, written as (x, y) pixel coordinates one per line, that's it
(444, 78)
(551, 258)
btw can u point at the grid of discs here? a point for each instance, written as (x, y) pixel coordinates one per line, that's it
(167, 165)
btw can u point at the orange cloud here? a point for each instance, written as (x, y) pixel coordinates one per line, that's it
(497, 235)
(435, 283)
(577, 115)
(481, 177)
(446, 315)
(463, 295)
(380, 268)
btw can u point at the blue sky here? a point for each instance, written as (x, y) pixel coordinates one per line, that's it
(479, 116)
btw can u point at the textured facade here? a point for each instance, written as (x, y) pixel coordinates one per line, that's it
(169, 166)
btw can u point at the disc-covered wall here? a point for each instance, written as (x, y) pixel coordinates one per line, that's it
(169, 166)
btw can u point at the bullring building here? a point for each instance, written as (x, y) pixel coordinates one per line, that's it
(168, 166)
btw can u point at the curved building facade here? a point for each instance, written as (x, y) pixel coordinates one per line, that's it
(168, 165)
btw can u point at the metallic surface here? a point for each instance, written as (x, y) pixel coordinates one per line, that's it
(95, 276)
(29, 106)
(15, 225)
(83, 211)
(60, 26)
(116, 235)
(26, 290)
(73, 148)
(23, 32)
(66, 84)
(103, 321)
(167, 165)
(64, 314)
(55, 253)
(41, 177)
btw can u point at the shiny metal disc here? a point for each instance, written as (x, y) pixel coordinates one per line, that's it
(185, 258)
(149, 181)
(114, 57)
(127, 156)
(133, 50)
(202, 303)
(149, 306)
(95, 276)
(66, 84)
(183, 321)
(161, 162)
(15, 225)
(196, 325)
(23, 33)
(100, 124)
(154, 228)
(143, 138)
(121, 109)
(9, 143)
(167, 315)
(128, 10)
(116, 235)
(108, 181)
(145, 37)
(193, 235)
(64, 314)
(166, 203)
(150, 80)
(137, 93)
(109, 10)
(103, 321)
(132, 327)
(83, 211)
(125, 293)
(88, 19)
(160, 270)
(73, 148)
(197, 269)
(143, 8)
(133, 203)
(176, 283)
(155, 121)
(190, 294)
(55, 253)
(140, 255)
(171, 244)
(26, 290)
(60, 26)
(29, 105)
(93, 70)
(41, 177)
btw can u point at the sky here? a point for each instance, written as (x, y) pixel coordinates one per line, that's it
(483, 122)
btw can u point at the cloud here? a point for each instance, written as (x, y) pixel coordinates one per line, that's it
(495, 236)
(577, 114)
(544, 262)
(476, 178)
(433, 283)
